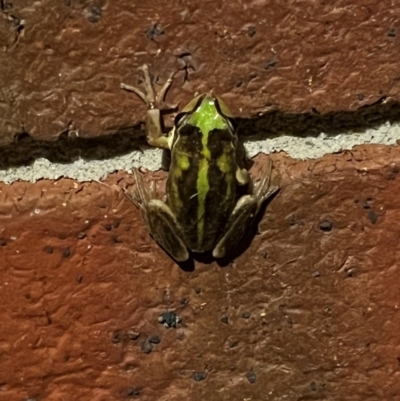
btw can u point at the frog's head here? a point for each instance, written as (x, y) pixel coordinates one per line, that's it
(206, 112)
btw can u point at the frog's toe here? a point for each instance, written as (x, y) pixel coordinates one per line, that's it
(263, 188)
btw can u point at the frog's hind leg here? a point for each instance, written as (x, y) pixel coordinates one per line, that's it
(243, 216)
(163, 227)
(159, 219)
(239, 222)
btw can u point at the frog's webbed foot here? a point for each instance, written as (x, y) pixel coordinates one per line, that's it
(159, 219)
(140, 195)
(243, 215)
(263, 188)
(149, 96)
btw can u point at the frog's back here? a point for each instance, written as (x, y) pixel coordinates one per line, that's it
(201, 186)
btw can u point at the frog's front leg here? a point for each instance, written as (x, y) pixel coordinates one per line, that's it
(243, 216)
(154, 133)
(159, 219)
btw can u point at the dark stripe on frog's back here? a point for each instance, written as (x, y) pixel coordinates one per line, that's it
(221, 197)
(182, 186)
(182, 183)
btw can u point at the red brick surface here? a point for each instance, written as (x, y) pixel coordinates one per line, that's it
(79, 271)
(63, 61)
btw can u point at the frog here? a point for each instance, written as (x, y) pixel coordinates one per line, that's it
(210, 199)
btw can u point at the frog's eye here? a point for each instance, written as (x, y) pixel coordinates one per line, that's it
(223, 108)
(181, 117)
(193, 104)
(224, 111)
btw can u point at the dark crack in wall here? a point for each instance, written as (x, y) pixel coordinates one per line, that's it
(68, 147)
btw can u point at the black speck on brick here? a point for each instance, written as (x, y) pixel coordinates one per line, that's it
(391, 33)
(48, 249)
(155, 339)
(116, 337)
(146, 346)
(199, 376)
(66, 252)
(154, 31)
(133, 392)
(325, 226)
(373, 217)
(251, 377)
(251, 31)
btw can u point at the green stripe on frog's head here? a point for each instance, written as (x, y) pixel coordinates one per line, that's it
(207, 116)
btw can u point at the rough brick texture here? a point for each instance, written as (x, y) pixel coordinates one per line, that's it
(63, 61)
(309, 311)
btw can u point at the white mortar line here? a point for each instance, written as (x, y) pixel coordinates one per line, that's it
(298, 148)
